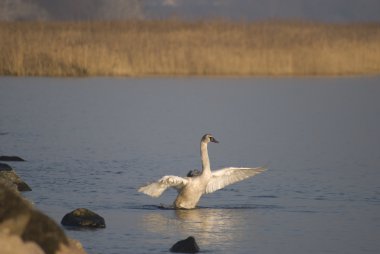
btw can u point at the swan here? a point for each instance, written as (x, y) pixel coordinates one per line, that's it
(190, 189)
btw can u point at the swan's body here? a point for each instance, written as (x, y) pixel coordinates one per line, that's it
(191, 189)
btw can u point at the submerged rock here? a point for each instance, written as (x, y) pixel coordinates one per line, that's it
(83, 217)
(9, 177)
(11, 158)
(185, 246)
(19, 219)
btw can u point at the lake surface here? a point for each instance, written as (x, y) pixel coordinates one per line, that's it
(92, 142)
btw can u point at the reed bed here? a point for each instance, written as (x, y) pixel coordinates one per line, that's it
(175, 47)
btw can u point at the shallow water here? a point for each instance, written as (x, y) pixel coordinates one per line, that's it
(91, 143)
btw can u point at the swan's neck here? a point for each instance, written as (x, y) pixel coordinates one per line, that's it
(205, 159)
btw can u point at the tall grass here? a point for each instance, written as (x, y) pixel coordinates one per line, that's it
(174, 47)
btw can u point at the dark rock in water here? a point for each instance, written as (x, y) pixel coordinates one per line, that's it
(7, 174)
(19, 218)
(5, 167)
(11, 158)
(185, 246)
(83, 217)
(194, 172)
(22, 186)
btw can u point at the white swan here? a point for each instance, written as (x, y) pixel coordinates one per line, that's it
(190, 189)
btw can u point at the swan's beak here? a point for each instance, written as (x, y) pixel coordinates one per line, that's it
(212, 139)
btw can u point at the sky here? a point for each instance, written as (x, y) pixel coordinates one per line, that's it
(315, 10)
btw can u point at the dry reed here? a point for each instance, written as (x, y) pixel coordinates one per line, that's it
(174, 47)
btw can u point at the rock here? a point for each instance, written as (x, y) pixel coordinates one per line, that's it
(83, 217)
(45, 232)
(11, 158)
(22, 186)
(185, 246)
(75, 247)
(18, 218)
(13, 244)
(8, 176)
(194, 172)
(5, 167)
(8, 184)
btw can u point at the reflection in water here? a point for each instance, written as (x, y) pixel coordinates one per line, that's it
(208, 226)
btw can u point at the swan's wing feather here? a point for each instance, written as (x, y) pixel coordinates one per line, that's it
(155, 189)
(226, 176)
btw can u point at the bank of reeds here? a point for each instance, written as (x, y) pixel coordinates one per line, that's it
(173, 47)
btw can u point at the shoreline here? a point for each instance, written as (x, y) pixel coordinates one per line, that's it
(175, 48)
(221, 76)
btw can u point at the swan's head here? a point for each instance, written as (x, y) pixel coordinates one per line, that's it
(209, 138)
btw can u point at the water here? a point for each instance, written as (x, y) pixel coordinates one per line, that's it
(92, 142)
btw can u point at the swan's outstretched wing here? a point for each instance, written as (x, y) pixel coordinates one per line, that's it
(155, 189)
(226, 176)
